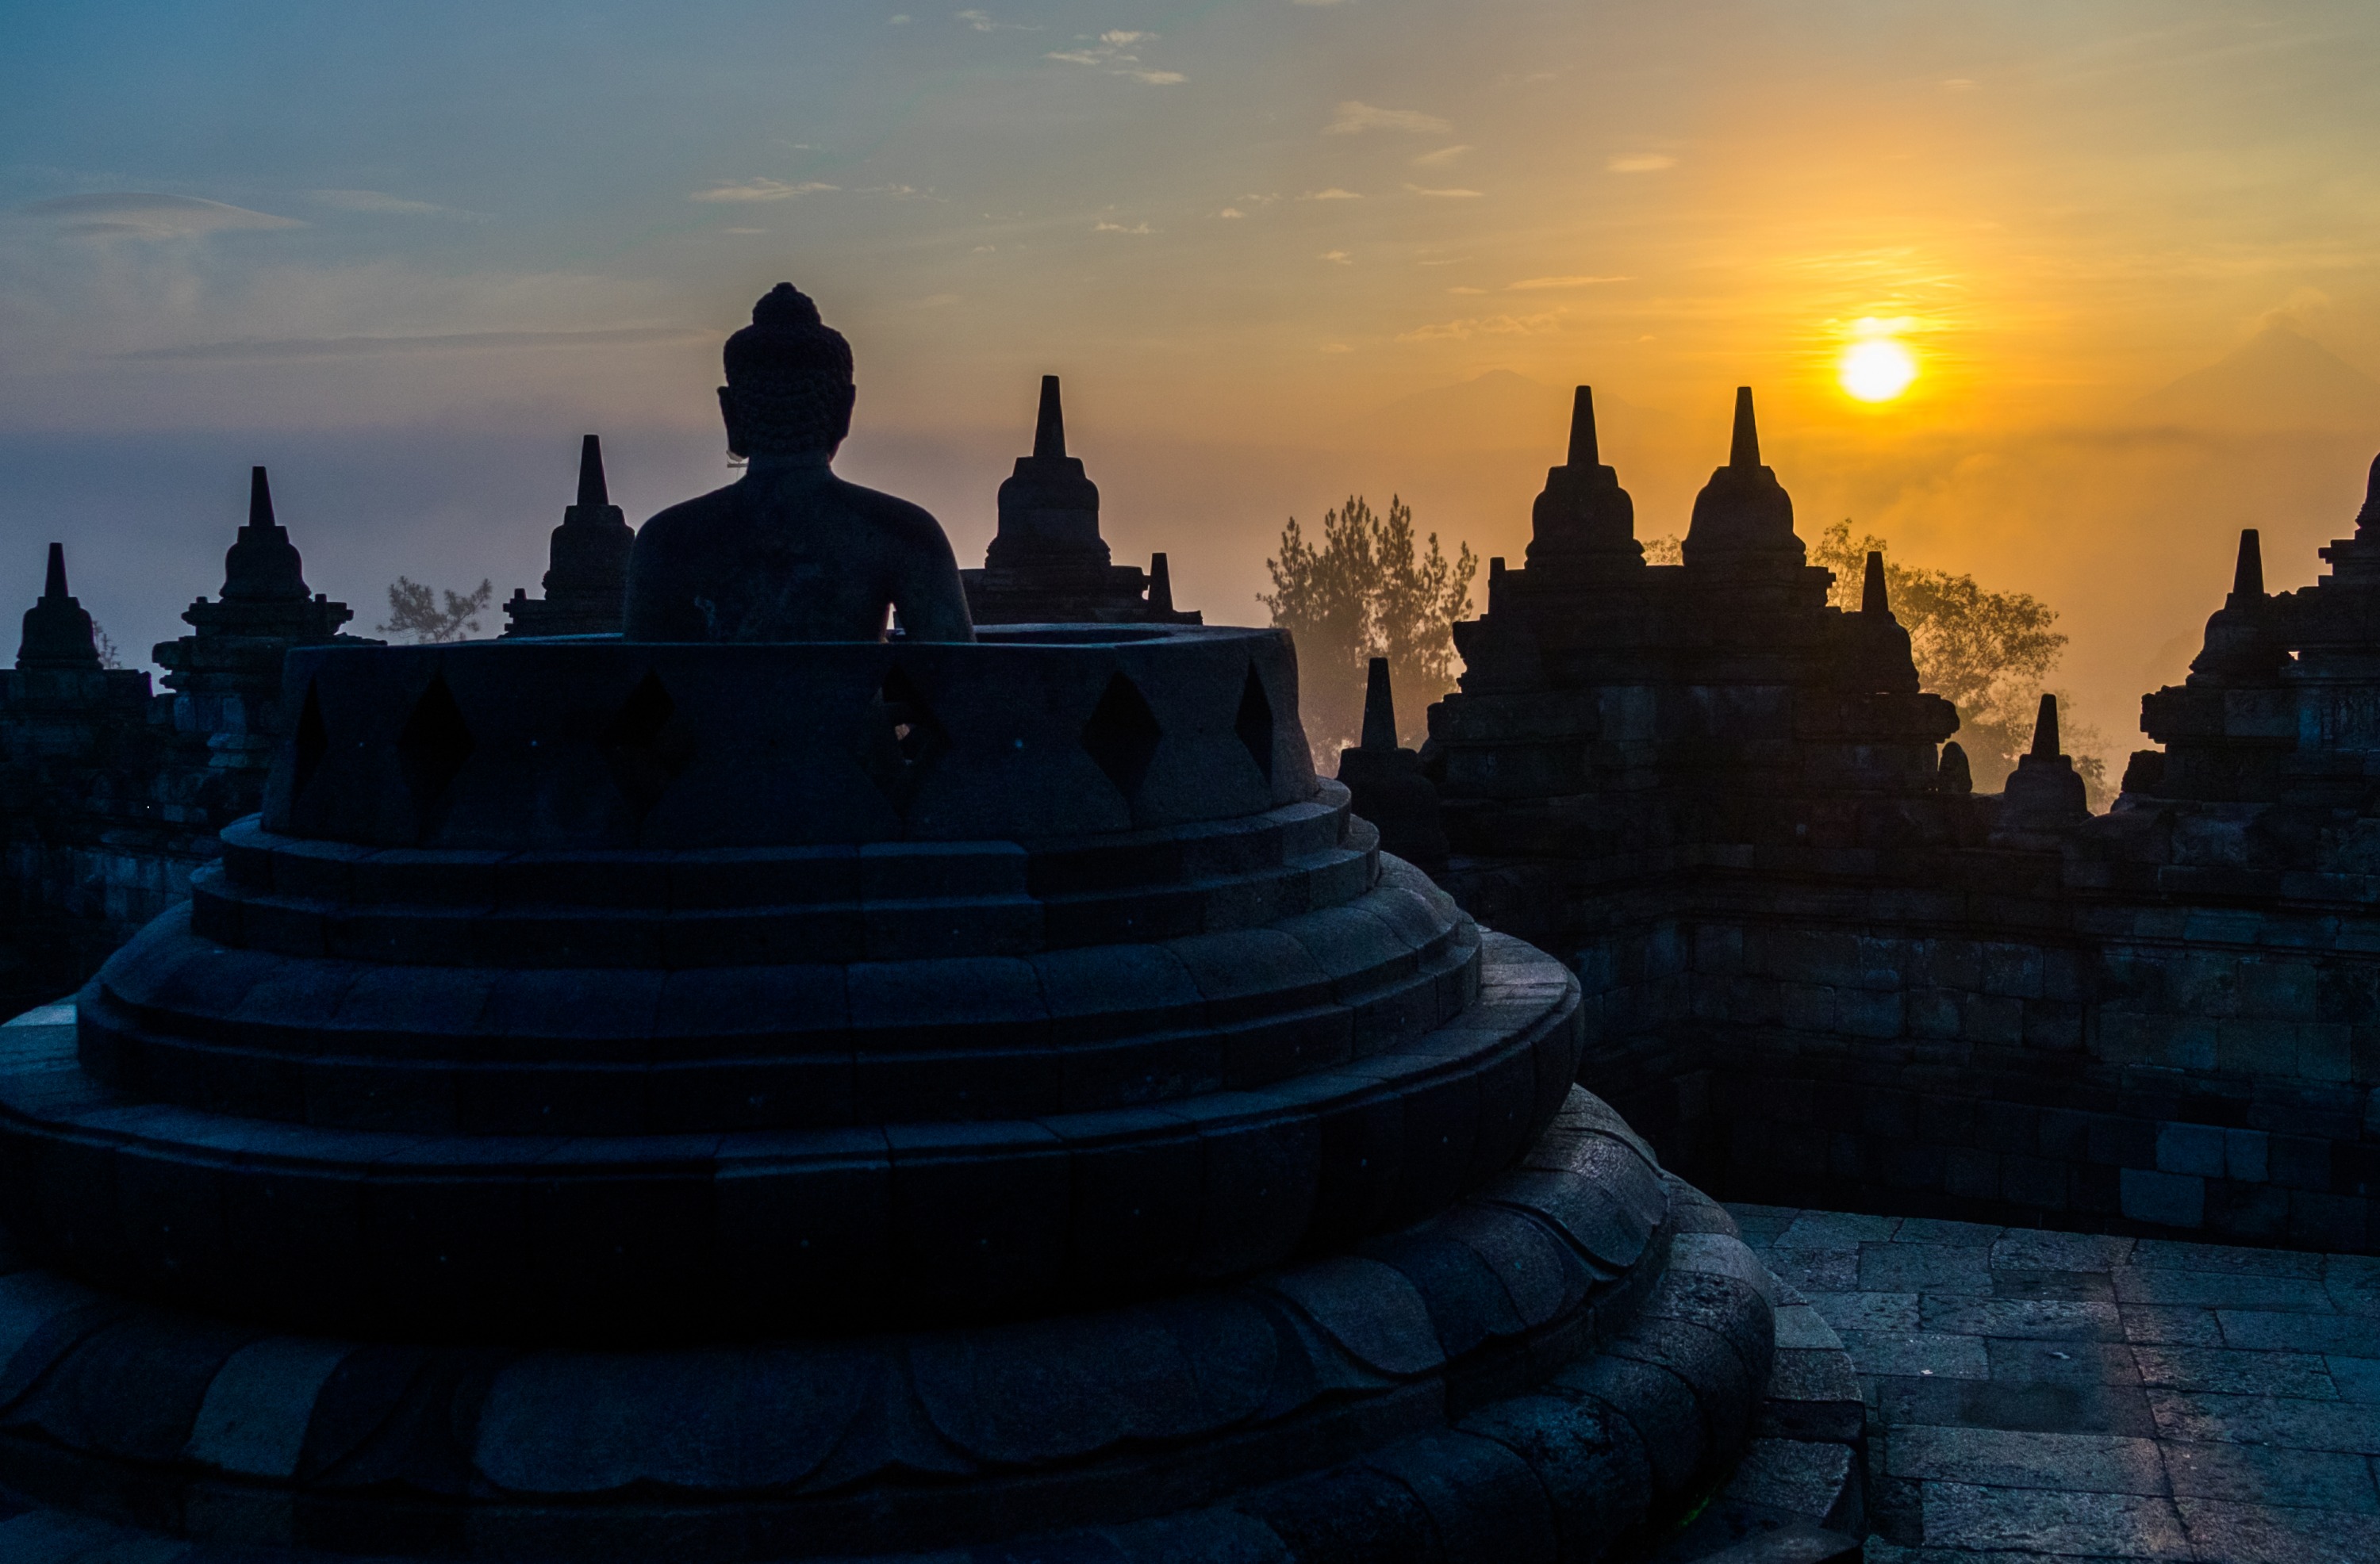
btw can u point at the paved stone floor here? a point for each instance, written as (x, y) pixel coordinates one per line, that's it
(2064, 1396)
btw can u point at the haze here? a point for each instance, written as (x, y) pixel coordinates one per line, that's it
(1279, 251)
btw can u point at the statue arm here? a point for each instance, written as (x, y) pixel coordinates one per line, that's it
(932, 603)
(661, 604)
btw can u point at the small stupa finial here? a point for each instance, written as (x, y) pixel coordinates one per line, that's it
(1871, 597)
(2369, 514)
(260, 501)
(1380, 708)
(2045, 730)
(591, 488)
(54, 585)
(2248, 575)
(1049, 429)
(1582, 448)
(1954, 773)
(1745, 451)
(1160, 586)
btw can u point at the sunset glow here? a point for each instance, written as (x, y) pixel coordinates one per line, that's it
(1877, 369)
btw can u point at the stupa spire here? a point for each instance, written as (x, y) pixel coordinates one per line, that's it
(1872, 594)
(1049, 507)
(1744, 518)
(2368, 517)
(592, 491)
(1380, 708)
(1160, 585)
(1582, 448)
(2045, 730)
(57, 632)
(263, 564)
(1746, 450)
(1049, 428)
(2248, 574)
(1584, 519)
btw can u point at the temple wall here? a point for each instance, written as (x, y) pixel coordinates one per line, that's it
(2145, 1068)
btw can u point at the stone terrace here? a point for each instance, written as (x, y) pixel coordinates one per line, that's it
(2037, 1395)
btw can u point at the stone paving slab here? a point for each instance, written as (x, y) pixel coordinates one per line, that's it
(2036, 1397)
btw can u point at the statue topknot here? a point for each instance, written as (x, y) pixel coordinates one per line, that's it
(790, 376)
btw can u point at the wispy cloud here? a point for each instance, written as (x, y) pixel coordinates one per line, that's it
(1354, 117)
(1466, 289)
(1484, 325)
(1444, 157)
(760, 191)
(984, 21)
(1231, 211)
(1104, 226)
(1111, 53)
(141, 214)
(1449, 194)
(1333, 194)
(359, 347)
(382, 201)
(1527, 284)
(1639, 163)
(1337, 258)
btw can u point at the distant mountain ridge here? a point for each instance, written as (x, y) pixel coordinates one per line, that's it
(2280, 379)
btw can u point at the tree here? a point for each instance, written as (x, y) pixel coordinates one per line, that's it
(1367, 591)
(413, 611)
(1988, 653)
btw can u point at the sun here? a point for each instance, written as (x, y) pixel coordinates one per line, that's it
(1876, 369)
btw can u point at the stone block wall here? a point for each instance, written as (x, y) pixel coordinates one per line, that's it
(2144, 1069)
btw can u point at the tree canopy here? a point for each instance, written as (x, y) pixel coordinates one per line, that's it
(1988, 653)
(1367, 590)
(413, 612)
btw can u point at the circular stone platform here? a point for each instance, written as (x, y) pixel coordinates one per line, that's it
(626, 1101)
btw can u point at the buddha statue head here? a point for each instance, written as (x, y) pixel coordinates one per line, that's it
(789, 389)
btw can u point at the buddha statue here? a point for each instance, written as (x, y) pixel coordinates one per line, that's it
(792, 552)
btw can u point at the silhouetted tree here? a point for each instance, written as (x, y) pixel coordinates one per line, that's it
(1367, 591)
(413, 611)
(1988, 653)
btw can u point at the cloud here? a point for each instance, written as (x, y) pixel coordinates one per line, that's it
(1527, 284)
(1104, 226)
(1442, 158)
(1112, 53)
(1333, 194)
(896, 21)
(1337, 258)
(1450, 194)
(760, 191)
(1354, 118)
(1484, 325)
(373, 200)
(362, 347)
(1466, 289)
(1231, 211)
(983, 21)
(141, 214)
(1639, 163)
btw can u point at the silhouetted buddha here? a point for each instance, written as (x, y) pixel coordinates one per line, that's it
(792, 552)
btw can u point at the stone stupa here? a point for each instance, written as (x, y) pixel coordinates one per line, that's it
(587, 575)
(751, 1100)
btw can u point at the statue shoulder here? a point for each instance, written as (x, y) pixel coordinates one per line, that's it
(689, 523)
(910, 523)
